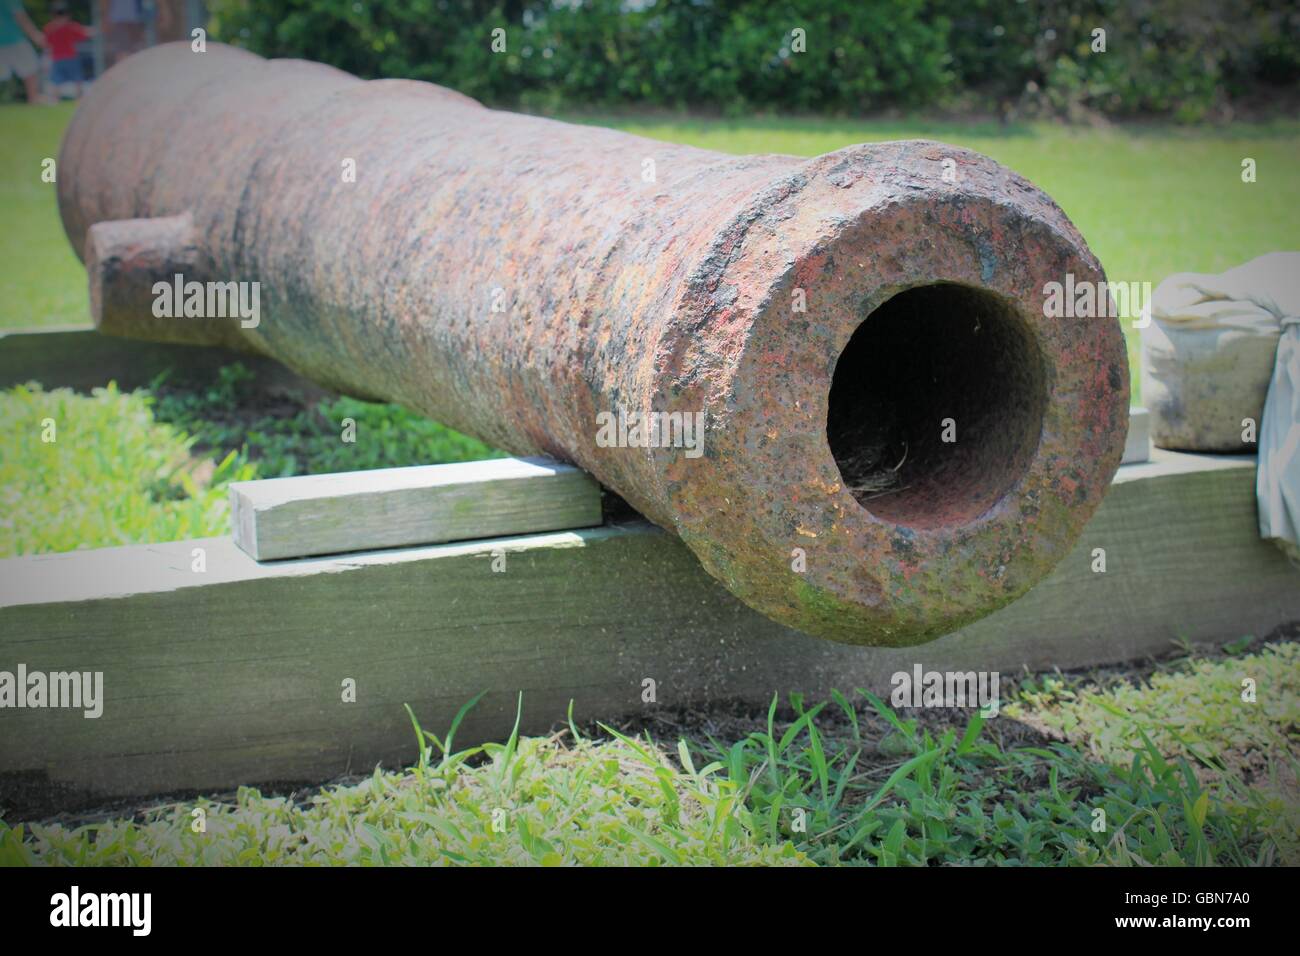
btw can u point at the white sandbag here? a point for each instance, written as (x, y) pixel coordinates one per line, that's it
(1221, 373)
(1208, 353)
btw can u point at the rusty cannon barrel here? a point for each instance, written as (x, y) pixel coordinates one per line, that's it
(894, 439)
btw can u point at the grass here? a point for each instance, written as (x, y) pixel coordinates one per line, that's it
(42, 283)
(1150, 200)
(1195, 712)
(110, 474)
(291, 436)
(154, 465)
(843, 782)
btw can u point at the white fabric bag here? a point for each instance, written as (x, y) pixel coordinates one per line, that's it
(1221, 349)
(1277, 486)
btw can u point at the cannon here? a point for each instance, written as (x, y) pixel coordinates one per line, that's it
(894, 439)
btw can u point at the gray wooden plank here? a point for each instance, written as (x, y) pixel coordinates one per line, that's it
(233, 675)
(1137, 444)
(395, 507)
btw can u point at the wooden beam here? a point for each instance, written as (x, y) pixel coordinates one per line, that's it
(430, 504)
(78, 357)
(395, 507)
(235, 674)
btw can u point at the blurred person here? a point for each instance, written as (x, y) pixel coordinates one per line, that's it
(17, 58)
(169, 21)
(86, 52)
(125, 23)
(62, 34)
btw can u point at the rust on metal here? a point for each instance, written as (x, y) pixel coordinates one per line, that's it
(896, 440)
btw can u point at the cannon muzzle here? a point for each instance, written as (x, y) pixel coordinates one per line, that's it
(834, 378)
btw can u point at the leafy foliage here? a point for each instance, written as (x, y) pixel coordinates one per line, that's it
(1172, 57)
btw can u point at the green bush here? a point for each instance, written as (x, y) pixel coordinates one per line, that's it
(1181, 58)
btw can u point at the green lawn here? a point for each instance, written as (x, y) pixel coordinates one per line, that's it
(41, 280)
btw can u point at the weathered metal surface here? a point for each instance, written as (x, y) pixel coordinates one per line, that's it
(514, 277)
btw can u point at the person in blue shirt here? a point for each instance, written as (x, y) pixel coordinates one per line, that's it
(17, 58)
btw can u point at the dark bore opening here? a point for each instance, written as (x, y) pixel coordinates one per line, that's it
(936, 362)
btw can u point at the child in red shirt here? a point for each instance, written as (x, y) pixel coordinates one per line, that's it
(62, 35)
